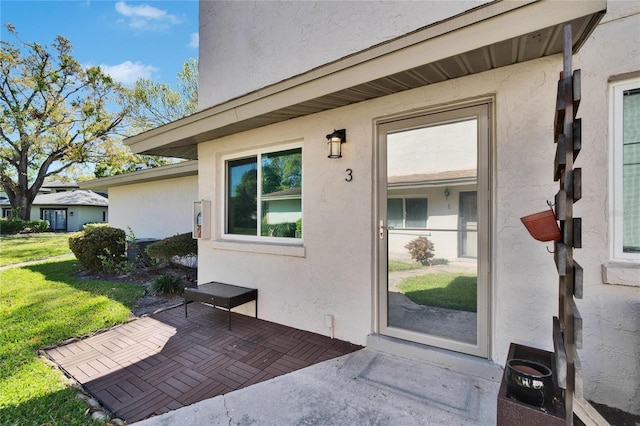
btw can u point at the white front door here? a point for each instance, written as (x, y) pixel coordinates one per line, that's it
(433, 217)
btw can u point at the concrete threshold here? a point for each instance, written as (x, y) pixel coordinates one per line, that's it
(462, 363)
(389, 383)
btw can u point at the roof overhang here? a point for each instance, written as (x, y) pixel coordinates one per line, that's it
(491, 36)
(453, 177)
(177, 170)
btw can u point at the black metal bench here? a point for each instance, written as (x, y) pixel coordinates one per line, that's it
(223, 295)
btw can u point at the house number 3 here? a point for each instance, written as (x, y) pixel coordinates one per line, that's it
(349, 177)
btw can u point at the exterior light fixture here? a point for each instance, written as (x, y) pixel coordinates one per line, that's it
(446, 193)
(335, 141)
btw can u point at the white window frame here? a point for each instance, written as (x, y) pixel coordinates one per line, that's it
(223, 208)
(615, 166)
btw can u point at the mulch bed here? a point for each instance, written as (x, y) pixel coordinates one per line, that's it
(144, 276)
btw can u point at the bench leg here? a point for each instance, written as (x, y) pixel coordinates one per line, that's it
(229, 318)
(186, 315)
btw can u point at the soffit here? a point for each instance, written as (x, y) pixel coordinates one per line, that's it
(491, 36)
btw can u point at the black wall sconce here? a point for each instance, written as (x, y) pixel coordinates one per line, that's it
(446, 193)
(335, 141)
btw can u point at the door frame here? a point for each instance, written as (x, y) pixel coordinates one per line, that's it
(483, 108)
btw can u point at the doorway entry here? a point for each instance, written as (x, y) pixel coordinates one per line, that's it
(433, 237)
(57, 218)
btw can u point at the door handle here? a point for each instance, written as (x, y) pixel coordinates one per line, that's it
(381, 230)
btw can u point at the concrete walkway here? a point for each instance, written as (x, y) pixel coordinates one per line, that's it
(369, 387)
(35, 262)
(448, 323)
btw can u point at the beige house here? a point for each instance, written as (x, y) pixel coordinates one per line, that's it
(151, 203)
(65, 206)
(448, 110)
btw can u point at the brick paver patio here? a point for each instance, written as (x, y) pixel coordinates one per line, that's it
(163, 362)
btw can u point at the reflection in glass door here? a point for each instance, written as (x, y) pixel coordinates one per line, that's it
(433, 285)
(468, 244)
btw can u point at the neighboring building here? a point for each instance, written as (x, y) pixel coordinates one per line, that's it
(151, 203)
(58, 186)
(66, 207)
(448, 109)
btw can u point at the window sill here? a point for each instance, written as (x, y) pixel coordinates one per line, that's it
(263, 248)
(621, 273)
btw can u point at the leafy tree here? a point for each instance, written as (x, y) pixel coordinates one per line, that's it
(153, 104)
(53, 114)
(120, 160)
(281, 170)
(243, 203)
(158, 104)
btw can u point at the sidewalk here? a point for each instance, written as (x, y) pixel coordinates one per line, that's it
(367, 387)
(33, 262)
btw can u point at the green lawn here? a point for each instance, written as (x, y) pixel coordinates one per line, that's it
(444, 290)
(42, 305)
(397, 265)
(24, 248)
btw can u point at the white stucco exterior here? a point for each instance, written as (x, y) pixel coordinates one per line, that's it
(332, 271)
(252, 44)
(156, 209)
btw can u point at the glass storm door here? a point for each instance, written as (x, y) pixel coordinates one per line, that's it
(57, 219)
(433, 253)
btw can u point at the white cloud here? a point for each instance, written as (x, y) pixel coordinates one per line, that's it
(129, 72)
(146, 17)
(195, 40)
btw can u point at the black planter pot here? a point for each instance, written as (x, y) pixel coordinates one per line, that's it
(529, 382)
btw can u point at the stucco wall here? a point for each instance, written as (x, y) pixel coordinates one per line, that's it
(83, 215)
(442, 214)
(248, 47)
(160, 209)
(333, 272)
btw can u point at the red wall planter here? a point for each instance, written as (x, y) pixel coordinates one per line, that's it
(542, 226)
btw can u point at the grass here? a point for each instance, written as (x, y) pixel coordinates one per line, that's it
(443, 290)
(42, 305)
(28, 247)
(397, 265)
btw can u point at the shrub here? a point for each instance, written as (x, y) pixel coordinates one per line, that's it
(92, 225)
(421, 250)
(280, 229)
(37, 226)
(11, 226)
(165, 284)
(180, 245)
(98, 245)
(15, 225)
(113, 264)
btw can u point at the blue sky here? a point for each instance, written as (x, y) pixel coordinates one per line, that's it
(128, 39)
